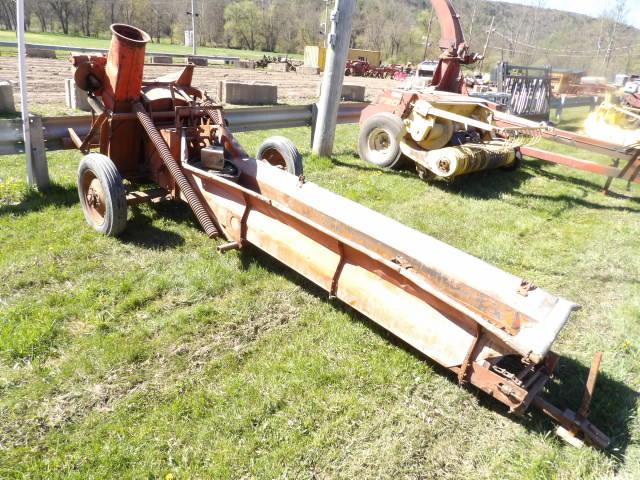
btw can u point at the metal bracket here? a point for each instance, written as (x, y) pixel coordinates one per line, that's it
(335, 16)
(336, 276)
(575, 428)
(526, 287)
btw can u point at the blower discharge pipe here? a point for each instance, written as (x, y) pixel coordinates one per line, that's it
(172, 165)
(125, 65)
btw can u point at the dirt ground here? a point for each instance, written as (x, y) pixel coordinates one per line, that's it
(45, 80)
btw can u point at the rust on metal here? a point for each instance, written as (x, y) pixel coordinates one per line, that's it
(454, 308)
(583, 411)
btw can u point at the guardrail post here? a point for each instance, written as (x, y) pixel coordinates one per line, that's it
(314, 119)
(39, 166)
(560, 108)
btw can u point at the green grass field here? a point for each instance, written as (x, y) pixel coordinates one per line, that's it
(152, 356)
(103, 43)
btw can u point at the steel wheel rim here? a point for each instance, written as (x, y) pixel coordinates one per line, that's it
(93, 197)
(275, 158)
(380, 144)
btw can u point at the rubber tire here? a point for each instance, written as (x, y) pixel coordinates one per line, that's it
(115, 217)
(394, 127)
(515, 165)
(287, 150)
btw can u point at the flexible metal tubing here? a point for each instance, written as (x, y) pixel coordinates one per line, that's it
(172, 165)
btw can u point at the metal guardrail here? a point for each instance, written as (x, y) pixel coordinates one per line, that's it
(564, 101)
(56, 129)
(67, 48)
(571, 102)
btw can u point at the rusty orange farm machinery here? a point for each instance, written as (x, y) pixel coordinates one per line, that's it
(491, 329)
(447, 133)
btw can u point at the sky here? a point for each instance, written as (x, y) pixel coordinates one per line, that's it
(589, 7)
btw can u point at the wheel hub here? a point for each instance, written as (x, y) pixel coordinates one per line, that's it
(273, 157)
(379, 140)
(94, 197)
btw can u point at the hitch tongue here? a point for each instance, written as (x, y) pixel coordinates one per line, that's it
(574, 428)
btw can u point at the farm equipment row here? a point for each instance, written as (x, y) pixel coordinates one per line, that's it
(362, 68)
(447, 133)
(266, 60)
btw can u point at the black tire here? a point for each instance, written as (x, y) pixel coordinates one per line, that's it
(102, 194)
(282, 153)
(516, 164)
(379, 141)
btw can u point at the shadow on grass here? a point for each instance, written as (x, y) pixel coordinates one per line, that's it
(597, 185)
(612, 409)
(143, 233)
(405, 171)
(614, 403)
(34, 201)
(492, 184)
(486, 185)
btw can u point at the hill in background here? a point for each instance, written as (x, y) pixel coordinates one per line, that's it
(399, 28)
(522, 34)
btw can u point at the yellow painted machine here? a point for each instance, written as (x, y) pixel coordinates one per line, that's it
(442, 130)
(445, 134)
(619, 124)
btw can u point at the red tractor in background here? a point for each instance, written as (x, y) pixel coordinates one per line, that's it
(357, 68)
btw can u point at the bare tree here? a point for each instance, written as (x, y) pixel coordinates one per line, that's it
(86, 9)
(62, 9)
(269, 27)
(240, 21)
(8, 14)
(42, 11)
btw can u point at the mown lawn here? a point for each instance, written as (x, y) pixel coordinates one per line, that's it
(152, 356)
(103, 43)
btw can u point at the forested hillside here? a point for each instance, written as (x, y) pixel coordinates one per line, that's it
(522, 34)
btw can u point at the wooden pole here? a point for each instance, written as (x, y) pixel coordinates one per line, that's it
(337, 51)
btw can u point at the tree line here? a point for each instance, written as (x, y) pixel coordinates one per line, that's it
(404, 30)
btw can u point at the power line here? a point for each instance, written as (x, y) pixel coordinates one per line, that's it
(546, 49)
(576, 55)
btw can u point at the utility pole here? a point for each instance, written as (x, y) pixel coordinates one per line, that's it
(326, 23)
(426, 43)
(193, 26)
(607, 58)
(24, 107)
(600, 38)
(486, 44)
(473, 21)
(337, 51)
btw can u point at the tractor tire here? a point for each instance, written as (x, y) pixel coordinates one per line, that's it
(347, 72)
(102, 194)
(379, 141)
(282, 153)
